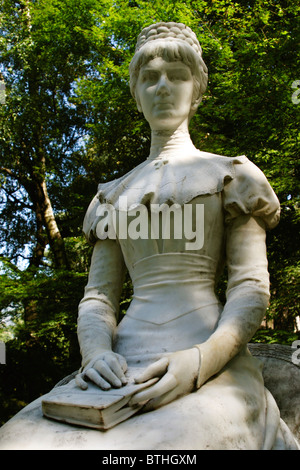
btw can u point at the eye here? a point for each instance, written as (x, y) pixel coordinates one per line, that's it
(179, 75)
(150, 76)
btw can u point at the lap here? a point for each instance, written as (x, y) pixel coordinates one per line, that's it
(228, 412)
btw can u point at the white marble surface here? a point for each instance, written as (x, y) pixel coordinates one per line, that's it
(211, 393)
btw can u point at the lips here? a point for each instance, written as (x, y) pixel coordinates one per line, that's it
(163, 104)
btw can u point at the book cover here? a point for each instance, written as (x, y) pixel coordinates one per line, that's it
(94, 408)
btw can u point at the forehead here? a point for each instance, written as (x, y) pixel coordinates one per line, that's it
(159, 63)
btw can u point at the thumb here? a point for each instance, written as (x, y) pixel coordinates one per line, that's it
(157, 369)
(122, 362)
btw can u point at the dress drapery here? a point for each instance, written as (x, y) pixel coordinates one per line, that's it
(175, 306)
(174, 303)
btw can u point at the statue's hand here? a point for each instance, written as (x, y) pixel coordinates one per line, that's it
(178, 372)
(106, 370)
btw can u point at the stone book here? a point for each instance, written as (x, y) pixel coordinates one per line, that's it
(93, 408)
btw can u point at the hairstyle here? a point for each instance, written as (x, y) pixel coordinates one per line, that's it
(172, 42)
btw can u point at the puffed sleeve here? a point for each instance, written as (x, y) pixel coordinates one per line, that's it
(249, 193)
(99, 221)
(90, 221)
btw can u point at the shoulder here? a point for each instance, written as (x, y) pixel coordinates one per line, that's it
(90, 220)
(249, 192)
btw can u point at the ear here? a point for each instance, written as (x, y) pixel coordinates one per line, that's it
(196, 103)
(194, 106)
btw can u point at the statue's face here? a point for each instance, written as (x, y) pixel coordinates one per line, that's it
(164, 93)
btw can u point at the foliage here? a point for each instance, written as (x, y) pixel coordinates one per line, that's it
(271, 336)
(69, 122)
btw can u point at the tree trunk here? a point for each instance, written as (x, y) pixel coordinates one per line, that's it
(45, 212)
(41, 241)
(44, 219)
(55, 239)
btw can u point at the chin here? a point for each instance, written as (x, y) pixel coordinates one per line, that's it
(165, 124)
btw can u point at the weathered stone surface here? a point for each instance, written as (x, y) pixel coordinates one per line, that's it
(282, 379)
(281, 376)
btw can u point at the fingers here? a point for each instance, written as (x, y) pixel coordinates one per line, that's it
(122, 362)
(109, 370)
(166, 384)
(106, 372)
(118, 367)
(102, 375)
(93, 375)
(157, 369)
(80, 382)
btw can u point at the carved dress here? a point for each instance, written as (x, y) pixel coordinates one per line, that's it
(175, 306)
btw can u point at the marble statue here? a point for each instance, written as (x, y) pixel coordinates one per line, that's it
(174, 222)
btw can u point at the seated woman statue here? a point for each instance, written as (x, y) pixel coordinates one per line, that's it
(197, 212)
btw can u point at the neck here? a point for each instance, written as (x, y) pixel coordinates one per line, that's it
(168, 143)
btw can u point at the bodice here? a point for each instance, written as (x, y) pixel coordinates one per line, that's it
(185, 281)
(174, 304)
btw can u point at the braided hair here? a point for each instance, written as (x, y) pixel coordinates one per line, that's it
(172, 42)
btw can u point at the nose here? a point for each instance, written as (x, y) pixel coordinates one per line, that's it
(163, 86)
